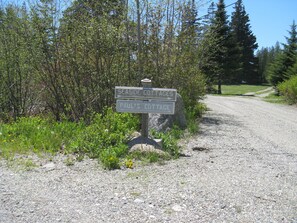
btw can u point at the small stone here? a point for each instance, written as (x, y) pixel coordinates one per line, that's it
(177, 208)
(49, 166)
(138, 201)
(152, 217)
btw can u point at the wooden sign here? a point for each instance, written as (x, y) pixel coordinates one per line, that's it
(145, 100)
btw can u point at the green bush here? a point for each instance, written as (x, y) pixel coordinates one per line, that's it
(169, 141)
(289, 89)
(109, 159)
(105, 131)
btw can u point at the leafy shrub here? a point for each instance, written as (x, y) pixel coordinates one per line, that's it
(109, 159)
(289, 89)
(106, 131)
(192, 114)
(169, 141)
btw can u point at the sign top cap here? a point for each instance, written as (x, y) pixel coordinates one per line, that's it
(146, 83)
(146, 80)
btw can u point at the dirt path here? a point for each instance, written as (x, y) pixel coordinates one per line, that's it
(242, 167)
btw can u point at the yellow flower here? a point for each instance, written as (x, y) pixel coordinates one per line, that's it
(129, 164)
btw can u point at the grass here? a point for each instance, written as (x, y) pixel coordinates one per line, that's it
(241, 89)
(273, 98)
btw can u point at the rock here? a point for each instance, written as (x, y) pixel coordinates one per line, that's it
(144, 148)
(163, 123)
(138, 201)
(49, 166)
(145, 145)
(177, 208)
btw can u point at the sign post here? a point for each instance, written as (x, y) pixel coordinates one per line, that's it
(146, 84)
(145, 100)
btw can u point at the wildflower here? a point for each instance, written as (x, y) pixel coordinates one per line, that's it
(129, 164)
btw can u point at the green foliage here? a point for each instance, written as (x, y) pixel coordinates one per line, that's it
(245, 42)
(193, 114)
(68, 63)
(275, 98)
(266, 56)
(109, 158)
(105, 132)
(17, 71)
(283, 66)
(169, 141)
(292, 70)
(38, 135)
(105, 138)
(289, 89)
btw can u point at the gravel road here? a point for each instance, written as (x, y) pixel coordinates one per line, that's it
(242, 167)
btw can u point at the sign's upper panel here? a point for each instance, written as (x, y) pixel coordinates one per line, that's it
(163, 94)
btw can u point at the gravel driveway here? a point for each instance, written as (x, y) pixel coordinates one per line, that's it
(242, 167)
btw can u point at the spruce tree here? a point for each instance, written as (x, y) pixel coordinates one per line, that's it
(246, 42)
(279, 69)
(220, 47)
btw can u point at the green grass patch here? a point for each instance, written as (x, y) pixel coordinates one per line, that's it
(241, 89)
(273, 98)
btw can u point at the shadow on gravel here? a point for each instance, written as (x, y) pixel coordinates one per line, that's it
(220, 120)
(210, 121)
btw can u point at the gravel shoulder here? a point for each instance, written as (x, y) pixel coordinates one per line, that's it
(242, 167)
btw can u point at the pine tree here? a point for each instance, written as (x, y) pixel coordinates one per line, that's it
(220, 48)
(246, 42)
(290, 50)
(266, 56)
(278, 71)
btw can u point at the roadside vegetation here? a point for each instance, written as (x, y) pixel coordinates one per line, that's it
(105, 138)
(288, 89)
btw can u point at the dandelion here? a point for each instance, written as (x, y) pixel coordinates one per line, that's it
(129, 164)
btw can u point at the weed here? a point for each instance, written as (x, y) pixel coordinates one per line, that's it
(129, 163)
(109, 159)
(69, 161)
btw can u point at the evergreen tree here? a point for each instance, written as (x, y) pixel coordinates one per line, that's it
(290, 50)
(278, 71)
(246, 42)
(266, 56)
(220, 48)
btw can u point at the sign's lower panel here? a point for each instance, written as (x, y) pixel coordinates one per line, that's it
(137, 106)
